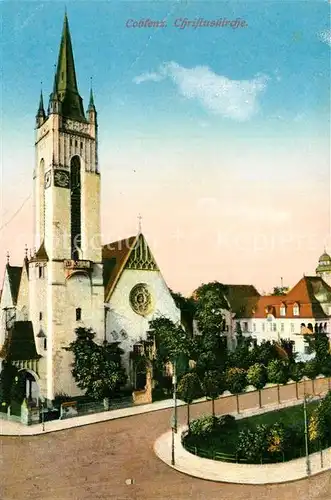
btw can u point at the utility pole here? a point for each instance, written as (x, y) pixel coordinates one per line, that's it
(174, 422)
(306, 435)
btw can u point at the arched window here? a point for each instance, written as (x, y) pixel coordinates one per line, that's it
(283, 310)
(78, 314)
(75, 207)
(296, 310)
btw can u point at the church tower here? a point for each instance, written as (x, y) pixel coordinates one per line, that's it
(66, 284)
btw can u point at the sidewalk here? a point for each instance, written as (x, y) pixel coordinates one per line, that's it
(214, 470)
(9, 428)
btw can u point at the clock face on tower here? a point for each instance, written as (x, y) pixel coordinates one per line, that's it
(61, 178)
(48, 179)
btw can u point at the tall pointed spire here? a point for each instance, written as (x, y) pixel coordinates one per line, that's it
(65, 78)
(41, 115)
(91, 105)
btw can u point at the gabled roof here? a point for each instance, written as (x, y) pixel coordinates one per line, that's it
(310, 293)
(131, 253)
(19, 344)
(114, 257)
(14, 277)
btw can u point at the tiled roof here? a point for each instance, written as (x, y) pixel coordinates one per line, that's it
(19, 344)
(114, 257)
(310, 293)
(242, 299)
(14, 276)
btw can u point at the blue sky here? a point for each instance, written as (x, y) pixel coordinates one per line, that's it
(191, 114)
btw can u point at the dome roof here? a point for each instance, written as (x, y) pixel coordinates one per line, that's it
(324, 258)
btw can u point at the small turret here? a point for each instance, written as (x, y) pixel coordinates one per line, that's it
(41, 115)
(91, 111)
(54, 100)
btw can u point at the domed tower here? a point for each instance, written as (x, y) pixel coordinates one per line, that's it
(324, 268)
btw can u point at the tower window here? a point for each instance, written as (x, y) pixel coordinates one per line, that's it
(75, 208)
(76, 144)
(45, 344)
(81, 145)
(78, 314)
(40, 316)
(41, 272)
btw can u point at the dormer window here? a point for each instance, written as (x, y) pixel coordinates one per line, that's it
(296, 310)
(283, 310)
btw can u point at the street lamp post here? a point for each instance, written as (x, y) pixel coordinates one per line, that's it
(174, 422)
(306, 435)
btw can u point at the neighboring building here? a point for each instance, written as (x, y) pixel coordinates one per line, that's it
(70, 280)
(303, 310)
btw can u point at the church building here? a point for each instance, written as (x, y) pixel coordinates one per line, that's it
(70, 280)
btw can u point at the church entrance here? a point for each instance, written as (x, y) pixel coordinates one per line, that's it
(31, 387)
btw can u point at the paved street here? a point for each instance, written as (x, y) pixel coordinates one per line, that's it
(94, 462)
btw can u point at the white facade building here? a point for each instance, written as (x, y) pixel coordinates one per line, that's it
(305, 308)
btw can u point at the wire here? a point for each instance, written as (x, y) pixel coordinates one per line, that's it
(16, 213)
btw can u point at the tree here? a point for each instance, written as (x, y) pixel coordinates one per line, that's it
(280, 290)
(7, 376)
(318, 343)
(312, 368)
(212, 384)
(235, 381)
(211, 302)
(18, 389)
(257, 376)
(278, 371)
(96, 368)
(296, 374)
(189, 388)
(253, 443)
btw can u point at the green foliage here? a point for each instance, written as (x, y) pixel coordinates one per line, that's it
(278, 371)
(211, 352)
(18, 389)
(206, 425)
(97, 368)
(296, 371)
(312, 368)
(252, 444)
(257, 375)
(280, 290)
(318, 343)
(7, 376)
(212, 384)
(170, 339)
(189, 387)
(235, 380)
(320, 421)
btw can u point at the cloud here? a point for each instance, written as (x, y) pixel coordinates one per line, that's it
(235, 99)
(325, 36)
(148, 77)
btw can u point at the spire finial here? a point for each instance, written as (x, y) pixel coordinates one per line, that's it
(8, 257)
(139, 223)
(91, 103)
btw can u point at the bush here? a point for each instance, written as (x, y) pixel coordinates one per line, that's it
(206, 425)
(252, 444)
